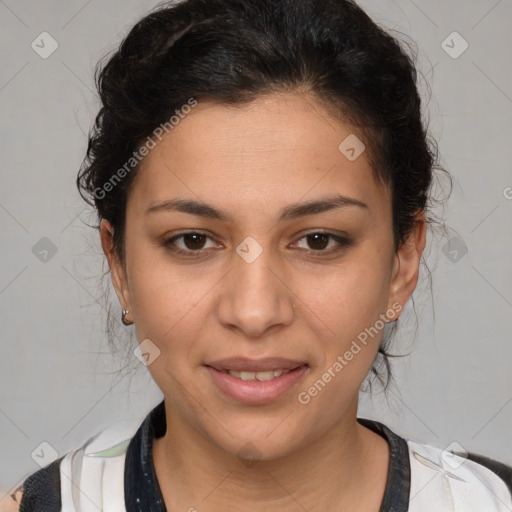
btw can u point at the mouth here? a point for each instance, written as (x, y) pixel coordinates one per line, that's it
(259, 376)
(256, 381)
(245, 364)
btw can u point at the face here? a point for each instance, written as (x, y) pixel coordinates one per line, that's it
(222, 298)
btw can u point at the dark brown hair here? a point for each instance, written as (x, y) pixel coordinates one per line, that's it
(232, 51)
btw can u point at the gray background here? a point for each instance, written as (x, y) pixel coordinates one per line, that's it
(58, 381)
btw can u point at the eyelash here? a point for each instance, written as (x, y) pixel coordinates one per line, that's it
(342, 242)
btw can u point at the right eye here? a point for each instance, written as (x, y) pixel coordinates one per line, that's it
(192, 242)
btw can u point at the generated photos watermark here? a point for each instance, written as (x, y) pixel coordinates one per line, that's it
(137, 156)
(304, 397)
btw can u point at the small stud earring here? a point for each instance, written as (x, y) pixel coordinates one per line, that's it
(123, 317)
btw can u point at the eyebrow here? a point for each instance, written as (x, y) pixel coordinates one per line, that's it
(293, 211)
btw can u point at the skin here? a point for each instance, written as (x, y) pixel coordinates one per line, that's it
(252, 161)
(11, 502)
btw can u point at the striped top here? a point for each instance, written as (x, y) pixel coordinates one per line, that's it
(114, 472)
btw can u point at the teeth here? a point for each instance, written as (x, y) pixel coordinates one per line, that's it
(260, 376)
(263, 376)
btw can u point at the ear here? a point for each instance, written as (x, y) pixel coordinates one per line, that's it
(117, 270)
(406, 263)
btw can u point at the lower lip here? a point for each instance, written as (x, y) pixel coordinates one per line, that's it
(254, 391)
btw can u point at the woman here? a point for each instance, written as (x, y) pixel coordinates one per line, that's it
(262, 179)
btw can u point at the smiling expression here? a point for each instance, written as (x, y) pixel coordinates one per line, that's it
(291, 256)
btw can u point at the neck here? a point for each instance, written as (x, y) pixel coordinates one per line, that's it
(345, 468)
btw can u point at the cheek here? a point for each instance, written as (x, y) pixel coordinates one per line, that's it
(166, 299)
(351, 297)
(169, 312)
(351, 307)
(347, 306)
(367, 294)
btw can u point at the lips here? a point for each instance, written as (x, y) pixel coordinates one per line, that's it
(256, 381)
(245, 364)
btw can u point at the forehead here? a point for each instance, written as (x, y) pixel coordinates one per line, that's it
(276, 149)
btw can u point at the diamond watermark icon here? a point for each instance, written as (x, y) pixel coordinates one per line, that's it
(44, 45)
(249, 250)
(249, 454)
(44, 454)
(351, 147)
(44, 250)
(146, 352)
(454, 45)
(454, 455)
(455, 249)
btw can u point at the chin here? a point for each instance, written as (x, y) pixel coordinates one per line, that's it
(263, 440)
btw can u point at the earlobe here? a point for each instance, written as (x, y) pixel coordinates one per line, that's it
(406, 263)
(116, 268)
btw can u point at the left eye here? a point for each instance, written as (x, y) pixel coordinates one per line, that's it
(193, 241)
(319, 241)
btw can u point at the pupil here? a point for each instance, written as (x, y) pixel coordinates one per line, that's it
(193, 237)
(324, 238)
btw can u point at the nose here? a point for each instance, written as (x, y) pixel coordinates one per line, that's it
(256, 295)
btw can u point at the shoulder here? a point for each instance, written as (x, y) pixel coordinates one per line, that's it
(11, 501)
(468, 481)
(39, 491)
(504, 471)
(53, 488)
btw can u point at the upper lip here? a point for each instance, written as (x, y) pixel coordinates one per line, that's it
(255, 365)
